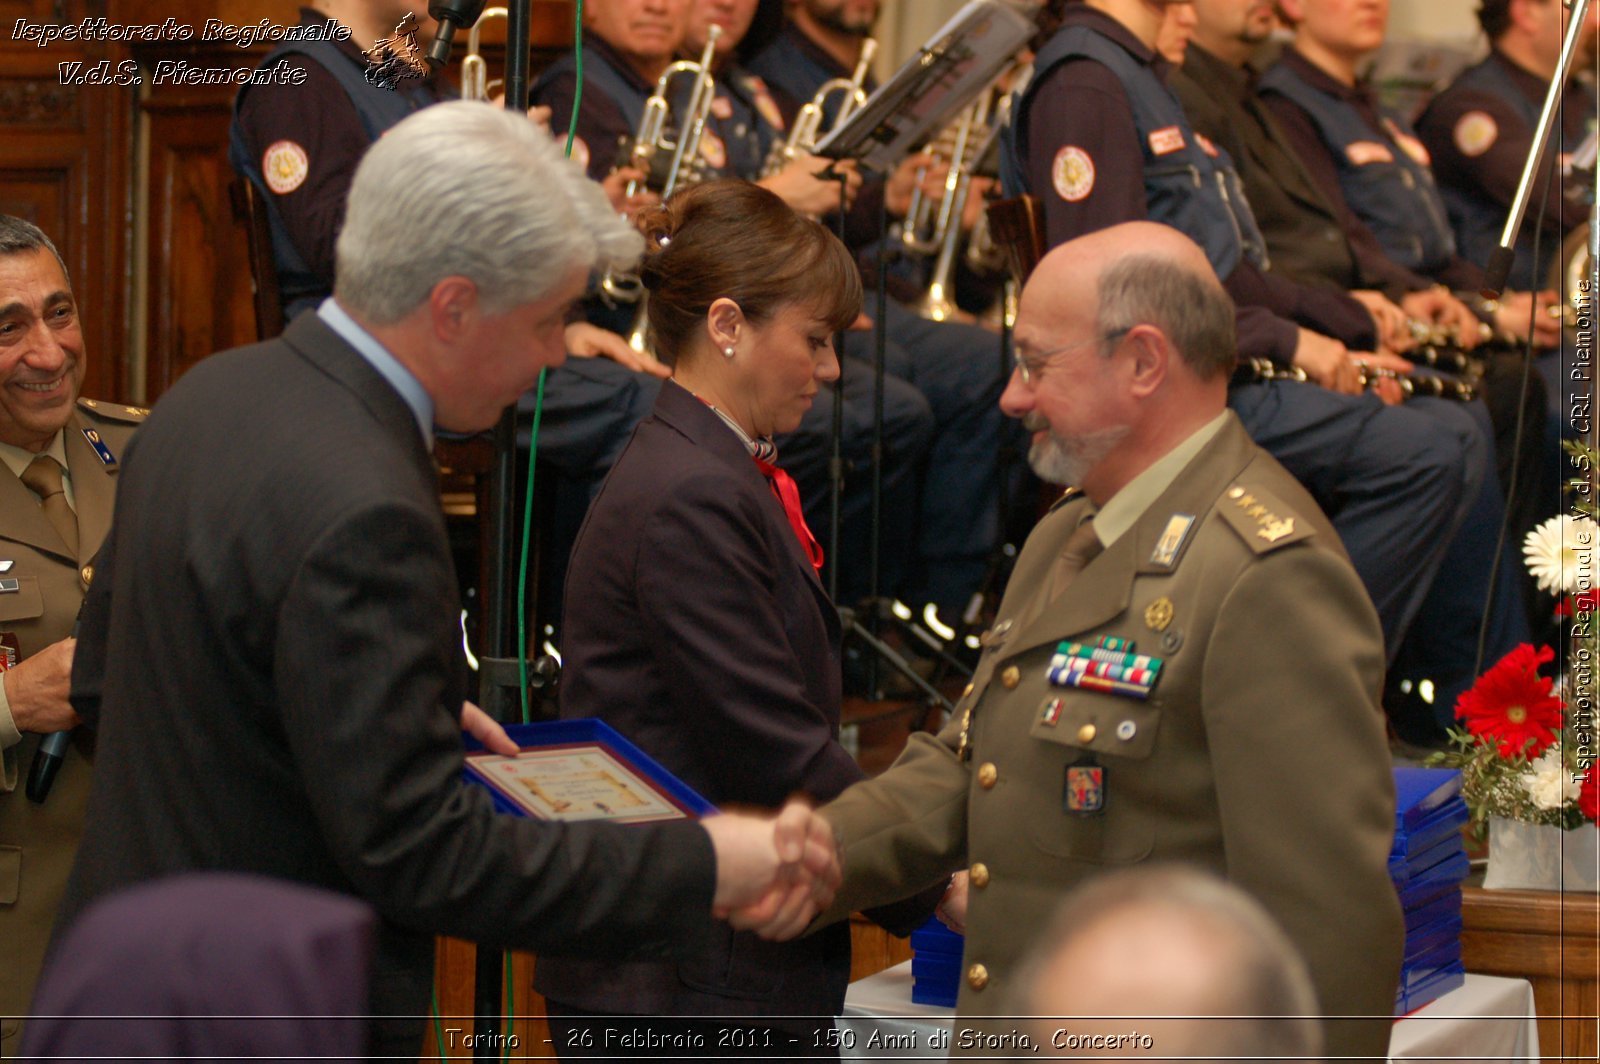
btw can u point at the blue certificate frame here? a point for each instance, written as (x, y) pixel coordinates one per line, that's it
(584, 769)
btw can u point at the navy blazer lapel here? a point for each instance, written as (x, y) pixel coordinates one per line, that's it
(680, 408)
(311, 338)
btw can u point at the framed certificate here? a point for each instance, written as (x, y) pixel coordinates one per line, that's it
(580, 770)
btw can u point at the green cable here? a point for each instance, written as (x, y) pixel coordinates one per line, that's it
(538, 413)
(527, 527)
(438, 1028)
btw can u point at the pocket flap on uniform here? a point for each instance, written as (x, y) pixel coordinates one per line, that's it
(1106, 724)
(10, 874)
(23, 604)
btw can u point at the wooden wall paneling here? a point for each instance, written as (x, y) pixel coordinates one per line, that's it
(65, 169)
(196, 256)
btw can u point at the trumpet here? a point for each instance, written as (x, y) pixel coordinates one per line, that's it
(807, 128)
(650, 140)
(920, 213)
(475, 83)
(974, 135)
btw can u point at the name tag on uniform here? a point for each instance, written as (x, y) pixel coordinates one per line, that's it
(100, 449)
(1166, 141)
(9, 584)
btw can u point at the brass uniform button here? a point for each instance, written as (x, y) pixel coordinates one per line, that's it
(1010, 677)
(86, 574)
(977, 977)
(978, 875)
(987, 774)
(1086, 735)
(966, 691)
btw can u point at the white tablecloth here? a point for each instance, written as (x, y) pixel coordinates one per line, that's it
(1487, 1018)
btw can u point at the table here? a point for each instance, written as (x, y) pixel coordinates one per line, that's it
(1487, 1018)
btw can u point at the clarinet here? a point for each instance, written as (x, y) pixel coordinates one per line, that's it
(1252, 370)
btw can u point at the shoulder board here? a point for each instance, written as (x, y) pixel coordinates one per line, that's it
(113, 411)
(1261, 519)
(1066, 497)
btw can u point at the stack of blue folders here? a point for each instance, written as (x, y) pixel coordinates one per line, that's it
(1428, 863)
(935, 964)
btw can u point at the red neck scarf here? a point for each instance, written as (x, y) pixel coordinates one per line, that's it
(783, 486)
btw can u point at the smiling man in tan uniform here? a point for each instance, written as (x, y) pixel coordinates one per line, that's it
(53, 516)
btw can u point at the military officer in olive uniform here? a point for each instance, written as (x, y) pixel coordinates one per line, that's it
(58, 463)
(1184, 668)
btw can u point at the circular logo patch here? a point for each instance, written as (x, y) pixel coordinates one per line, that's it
(765, 103)
(284, 165)
(1072, 173)
(713, 150)
(1475, 133)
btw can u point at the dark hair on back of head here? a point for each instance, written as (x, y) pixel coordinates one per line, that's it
(18, 236)
(1495, 17)
(730, 238)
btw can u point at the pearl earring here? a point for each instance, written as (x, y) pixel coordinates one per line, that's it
(728, 351)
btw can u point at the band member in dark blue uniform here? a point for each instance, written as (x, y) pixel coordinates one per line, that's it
(1398, 482)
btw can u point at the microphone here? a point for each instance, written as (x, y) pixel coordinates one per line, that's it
(451, 16)
(46, 763)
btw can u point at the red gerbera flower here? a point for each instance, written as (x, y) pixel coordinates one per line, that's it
(1582, 602)
(1589, 794)
(1511, 704)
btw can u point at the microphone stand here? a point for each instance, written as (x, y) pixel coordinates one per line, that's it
(1498, 267)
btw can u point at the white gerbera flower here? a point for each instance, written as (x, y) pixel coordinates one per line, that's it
(1560, 550)
(1549, 783)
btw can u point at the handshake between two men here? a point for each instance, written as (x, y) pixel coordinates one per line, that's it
(773, 874)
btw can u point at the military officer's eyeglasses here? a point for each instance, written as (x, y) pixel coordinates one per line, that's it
(1032, 367)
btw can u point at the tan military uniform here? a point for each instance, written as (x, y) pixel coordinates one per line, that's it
(37, 842)
(1259, 754)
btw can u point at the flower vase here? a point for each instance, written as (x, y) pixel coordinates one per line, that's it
(1525, 856)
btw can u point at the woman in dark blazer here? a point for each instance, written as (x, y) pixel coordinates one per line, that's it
(695, 623)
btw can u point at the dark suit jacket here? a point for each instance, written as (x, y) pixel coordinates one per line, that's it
(696, 626)
(1305, 241)
(272, 649)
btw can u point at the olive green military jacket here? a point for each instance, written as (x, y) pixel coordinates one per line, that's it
(38, 842)
(1259, 753)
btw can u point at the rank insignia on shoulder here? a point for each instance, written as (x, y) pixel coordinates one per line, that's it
(1261, 519)
(1170, 545)
(101, 451)
(1083, 792)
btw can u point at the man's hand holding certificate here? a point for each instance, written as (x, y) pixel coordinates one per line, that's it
(773, 874)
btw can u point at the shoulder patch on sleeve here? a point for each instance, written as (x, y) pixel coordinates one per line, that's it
(102, 411)
(1475, 133)
(284, 166)
(1072, 174)
(1261, 519)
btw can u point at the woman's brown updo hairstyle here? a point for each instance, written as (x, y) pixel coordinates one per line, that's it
(730, 238)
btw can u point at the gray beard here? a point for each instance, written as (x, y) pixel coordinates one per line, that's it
(1066, 461)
